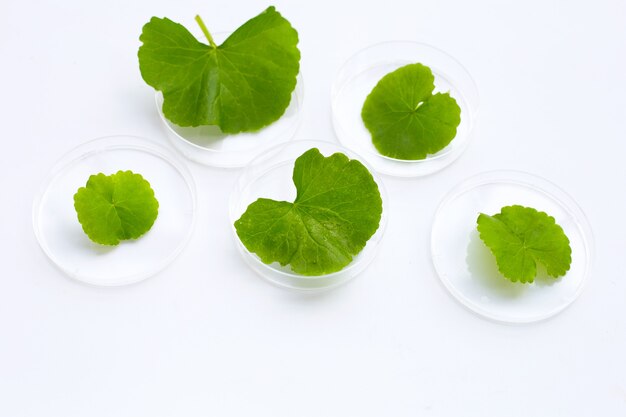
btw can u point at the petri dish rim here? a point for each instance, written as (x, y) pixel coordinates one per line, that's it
(470, 95)
(104, 144)
(363, 263)
(549, 190)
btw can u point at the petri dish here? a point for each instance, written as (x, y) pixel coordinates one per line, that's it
(468, 269)
(270, 176)
(207, 145)
(62, 239)
(360, 74)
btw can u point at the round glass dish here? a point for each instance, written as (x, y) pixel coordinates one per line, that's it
(270, 176)
(468, 269)
(62, 239)
(207, 145)
(360, 74)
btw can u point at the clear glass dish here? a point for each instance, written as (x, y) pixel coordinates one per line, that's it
(62, 239)
(358, 76)
(207, 145)
(468, 269)
(270, 176)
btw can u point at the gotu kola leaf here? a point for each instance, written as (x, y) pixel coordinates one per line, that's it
(241, 85)
(404, 117)
(337, 209)
(116, 207)
(520, 237)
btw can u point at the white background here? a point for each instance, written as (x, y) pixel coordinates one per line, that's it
(207, 337)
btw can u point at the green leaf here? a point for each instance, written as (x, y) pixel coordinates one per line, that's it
(337, 209)
(520, 237)
(116, 207)
(405, 119)
(241, 85)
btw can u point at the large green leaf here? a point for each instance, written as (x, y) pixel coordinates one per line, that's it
(405, 119)
(241, 85)
(337, 209)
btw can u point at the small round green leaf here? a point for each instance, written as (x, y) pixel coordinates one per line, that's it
(116, 207)
(404, 117)
(520, 237)
(336, 210)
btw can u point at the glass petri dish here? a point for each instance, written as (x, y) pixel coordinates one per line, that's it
(360, 74)
(62, 239)
(270, 176)
(468, 269)
(207, 145)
